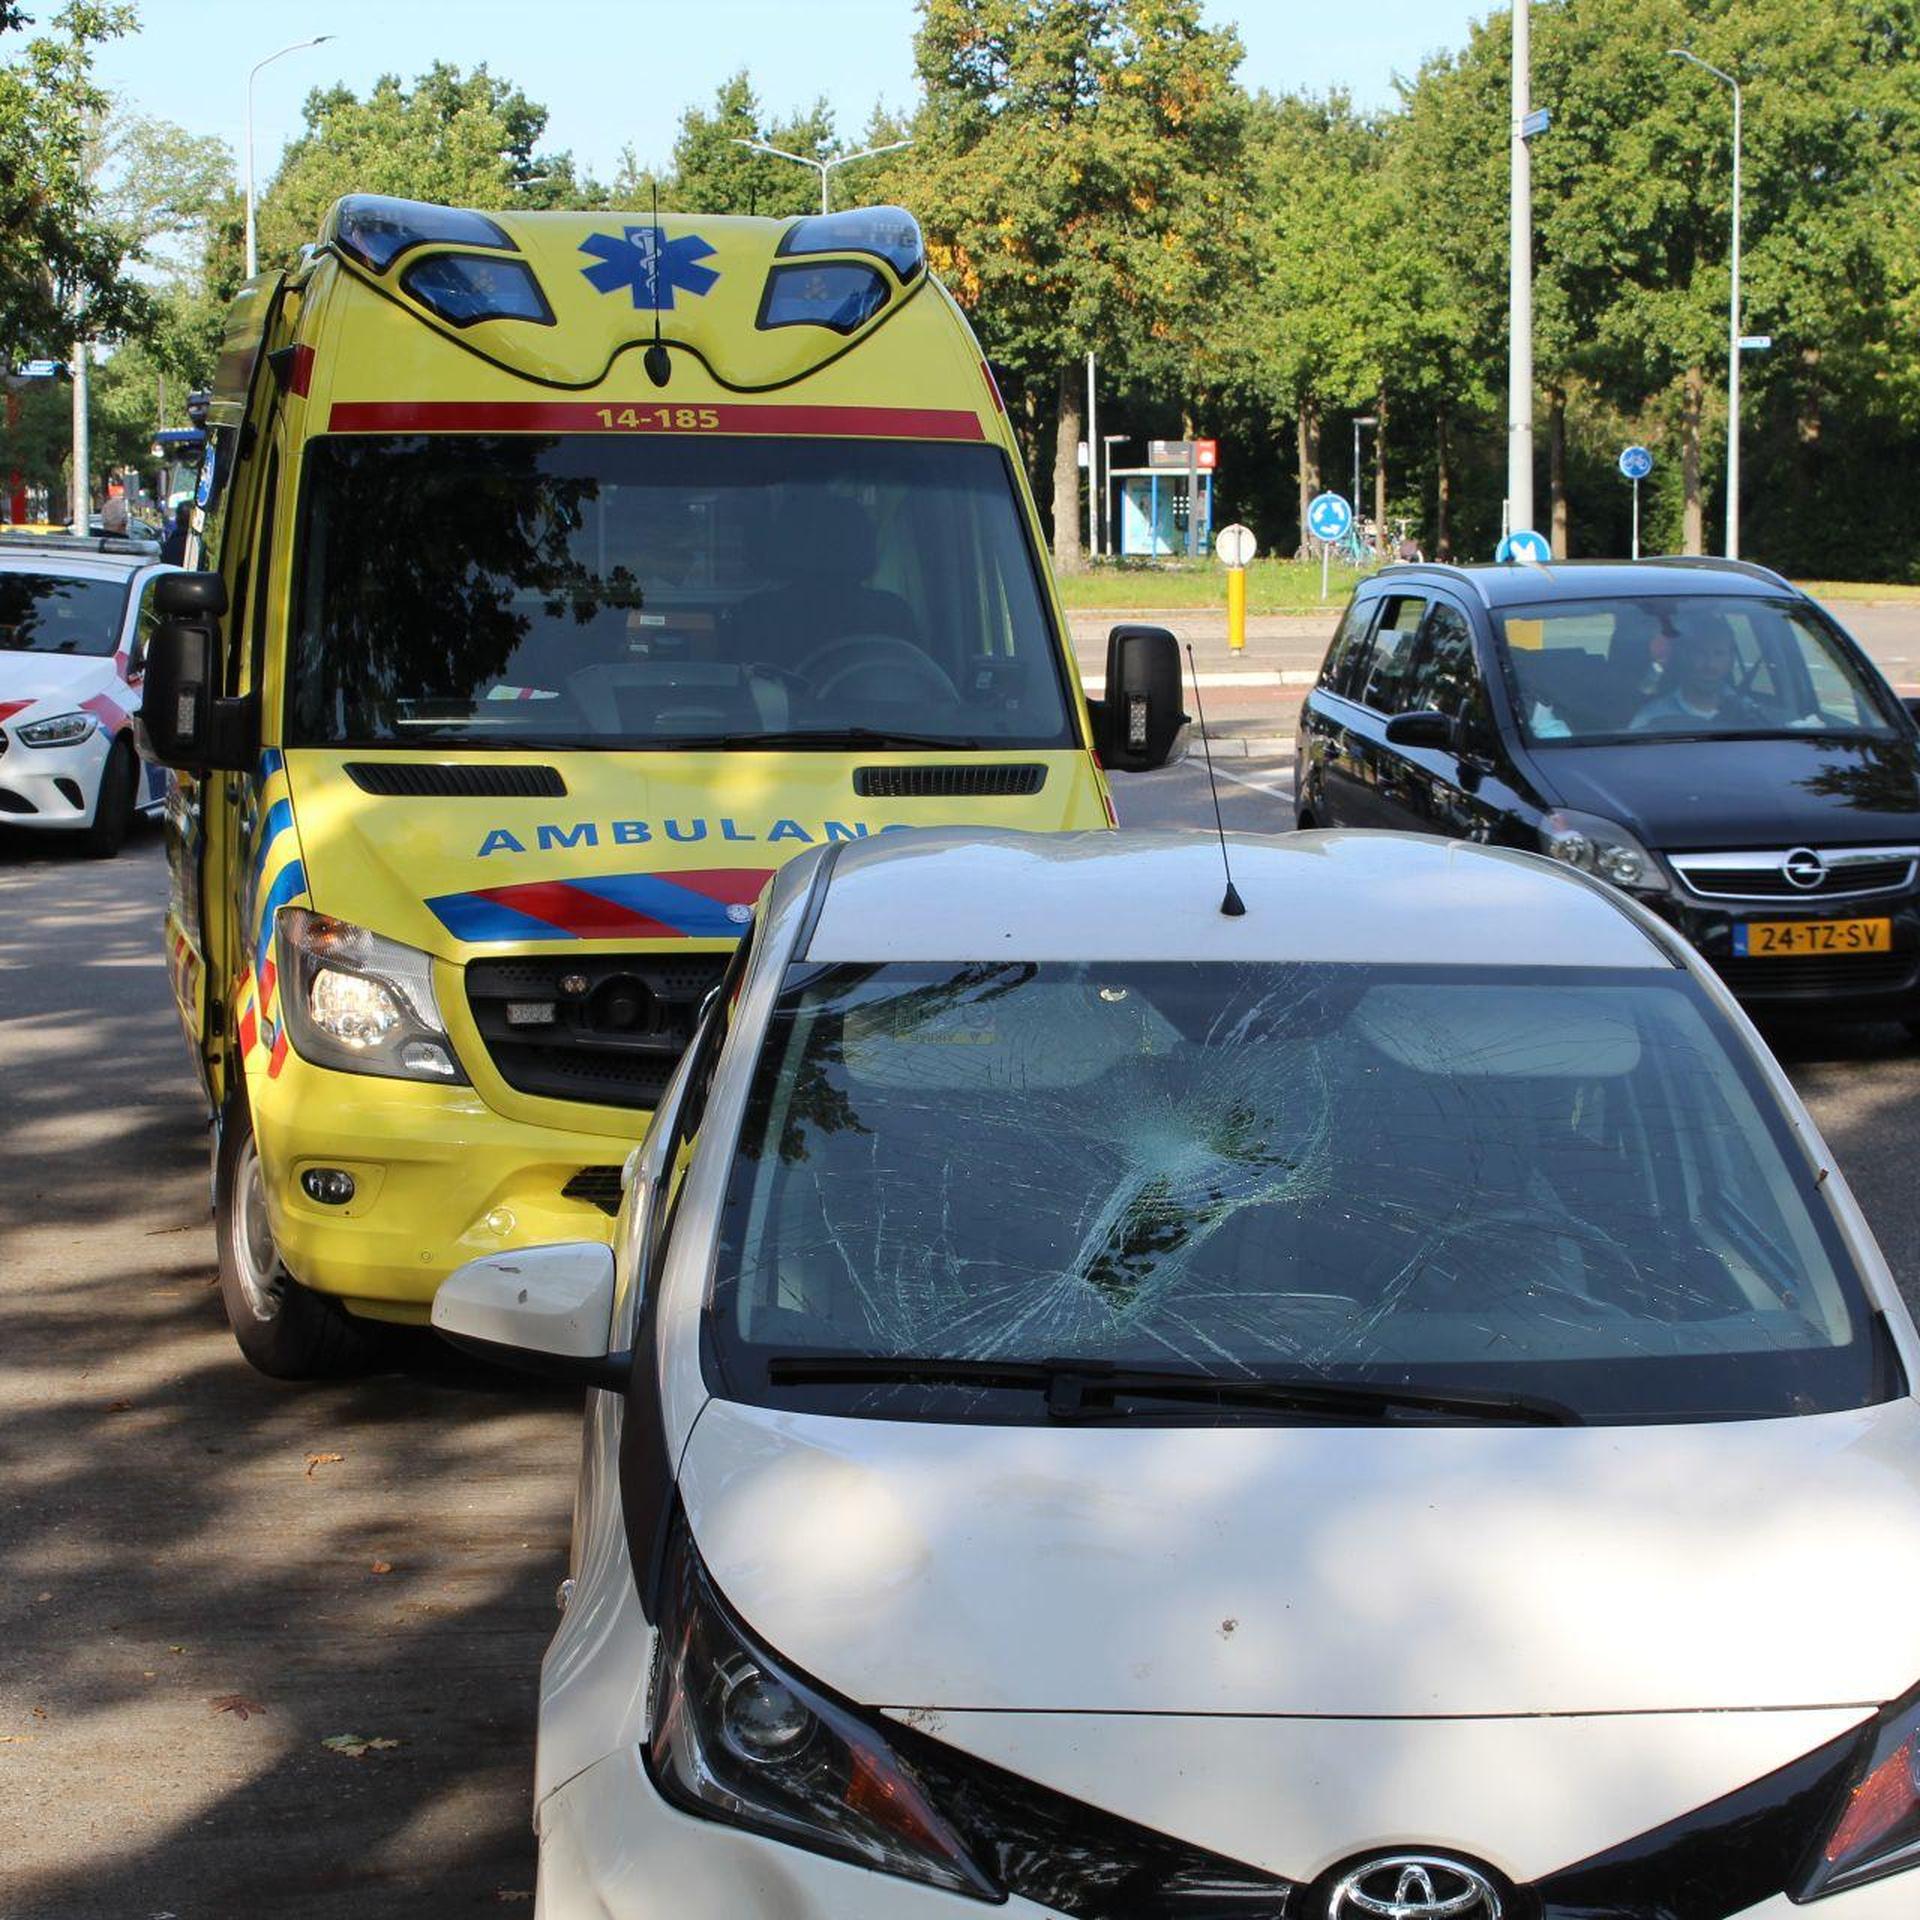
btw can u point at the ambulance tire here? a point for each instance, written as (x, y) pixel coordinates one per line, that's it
(113, 811)
(287, 1331)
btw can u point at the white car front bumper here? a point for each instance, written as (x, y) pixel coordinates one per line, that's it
(52, 787)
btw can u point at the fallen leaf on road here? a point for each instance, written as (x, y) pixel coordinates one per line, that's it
(118, 1406)
(353, 1745)
(39, 1713)
(322, 1460)
(12, 1739)
(236, 1704)
(43, 1596)
(383, 1566)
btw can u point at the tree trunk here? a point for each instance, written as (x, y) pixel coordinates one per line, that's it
(1380, 473)
(1068, 556)
(1557, 469)
(1443, 489)
(1693, 523)
(1306, 425)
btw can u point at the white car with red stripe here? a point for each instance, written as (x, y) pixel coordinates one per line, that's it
(75, 616)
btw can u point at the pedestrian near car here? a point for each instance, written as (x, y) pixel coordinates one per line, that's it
(173, 549)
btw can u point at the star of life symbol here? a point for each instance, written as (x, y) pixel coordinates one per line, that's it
(644, 261)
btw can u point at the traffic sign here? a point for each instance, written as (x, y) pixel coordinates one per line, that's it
(42, 369)
(1328, 517)
(1756, 343)
(1235, 545)
(1525, 546)
(1635, 463)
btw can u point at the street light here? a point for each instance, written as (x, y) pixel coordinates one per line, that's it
(822, 167)
(253, 264)
(1733, 315)
(1359, 420)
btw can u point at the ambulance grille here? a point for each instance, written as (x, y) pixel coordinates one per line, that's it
(935, 783)
(606, 1028)
(457, 780)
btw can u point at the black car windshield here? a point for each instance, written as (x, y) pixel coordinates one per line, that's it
(1684, 666)
(56, 613)
(599, 590)
(1562, 1184)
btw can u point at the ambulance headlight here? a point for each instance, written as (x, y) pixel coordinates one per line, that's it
(358, 1002)
(63, 730)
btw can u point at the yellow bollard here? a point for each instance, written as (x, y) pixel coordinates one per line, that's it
(1236, 609)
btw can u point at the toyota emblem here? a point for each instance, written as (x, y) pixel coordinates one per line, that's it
(1804, 869)
(1414, 1886)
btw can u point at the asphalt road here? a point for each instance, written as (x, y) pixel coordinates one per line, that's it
(210, 1576)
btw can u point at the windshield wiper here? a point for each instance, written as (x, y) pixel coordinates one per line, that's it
(1079, 1389)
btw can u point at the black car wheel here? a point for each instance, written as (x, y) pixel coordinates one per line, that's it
(113, 811)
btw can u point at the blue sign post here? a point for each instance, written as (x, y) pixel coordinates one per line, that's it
(1635, 464)
(1329, 520)
(1523, 545)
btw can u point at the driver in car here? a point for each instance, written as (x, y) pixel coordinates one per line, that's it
(1696, 684)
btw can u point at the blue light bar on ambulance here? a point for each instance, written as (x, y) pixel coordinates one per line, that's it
(463, 288)
(891, 234)
(840, 294)
(376, 230)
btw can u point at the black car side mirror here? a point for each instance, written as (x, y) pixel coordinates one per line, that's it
(187, 724)
(1422, 729)
(1139, 721)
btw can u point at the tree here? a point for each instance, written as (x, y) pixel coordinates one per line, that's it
(458, 139)
(56, 257)
(712, 173)
(1074, 164)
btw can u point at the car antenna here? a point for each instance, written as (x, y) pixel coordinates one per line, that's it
(656, 360)
(1231, 905)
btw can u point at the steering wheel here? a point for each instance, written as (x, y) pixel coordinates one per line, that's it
(829, 668)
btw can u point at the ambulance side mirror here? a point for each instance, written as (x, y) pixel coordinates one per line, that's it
(187, 724)
(1140, 722)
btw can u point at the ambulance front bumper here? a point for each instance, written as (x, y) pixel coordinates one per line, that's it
(51, 787)
(438, 1177)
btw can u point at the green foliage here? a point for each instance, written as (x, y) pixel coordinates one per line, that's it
(711, 173)
(460, 139)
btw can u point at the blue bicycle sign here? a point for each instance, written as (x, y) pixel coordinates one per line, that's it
(1635, 463)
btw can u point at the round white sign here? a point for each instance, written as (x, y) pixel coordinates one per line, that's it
(1236, 545)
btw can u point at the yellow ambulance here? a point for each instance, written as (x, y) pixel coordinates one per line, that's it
(557, 576)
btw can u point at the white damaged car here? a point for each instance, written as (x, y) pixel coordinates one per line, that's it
(74, 619)
(1382, 1408)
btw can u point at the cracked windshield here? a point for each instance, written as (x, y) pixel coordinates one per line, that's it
(1536, 1181)
(588, 591)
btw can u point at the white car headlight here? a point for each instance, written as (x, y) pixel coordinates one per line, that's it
(1601, 847)
(361, 1003)
(63, 730)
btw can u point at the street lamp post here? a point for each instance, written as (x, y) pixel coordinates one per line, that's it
(824, 168)
(1108, 441)
(1520, 280)
(1359, 420)
(1733, 314)
(253, 264)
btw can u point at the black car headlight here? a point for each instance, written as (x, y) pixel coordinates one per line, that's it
(1876, 1830)
(738, 1735)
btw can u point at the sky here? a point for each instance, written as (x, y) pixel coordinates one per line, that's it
(617, 72)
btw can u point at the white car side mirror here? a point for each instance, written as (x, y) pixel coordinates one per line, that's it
(548, 1310)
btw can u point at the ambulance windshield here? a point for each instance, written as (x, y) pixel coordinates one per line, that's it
(634, 591)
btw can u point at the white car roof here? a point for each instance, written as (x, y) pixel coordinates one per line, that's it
(74, 563)
(962, 894)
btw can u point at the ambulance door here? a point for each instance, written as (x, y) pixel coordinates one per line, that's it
(203, 816)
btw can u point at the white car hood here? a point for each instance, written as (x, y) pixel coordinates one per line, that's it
(1411, 1571)
(61, 682)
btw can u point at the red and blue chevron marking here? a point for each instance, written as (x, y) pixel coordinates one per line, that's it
(610, 906)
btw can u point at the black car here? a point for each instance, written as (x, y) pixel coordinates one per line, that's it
(1697, 732)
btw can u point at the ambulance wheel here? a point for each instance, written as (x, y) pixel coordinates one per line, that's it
(285, 1330)
(113, 811)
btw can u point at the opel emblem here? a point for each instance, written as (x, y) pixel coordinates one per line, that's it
(1804, 869)
(1414, 1886)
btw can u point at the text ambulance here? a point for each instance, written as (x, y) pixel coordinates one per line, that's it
(559, 576)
